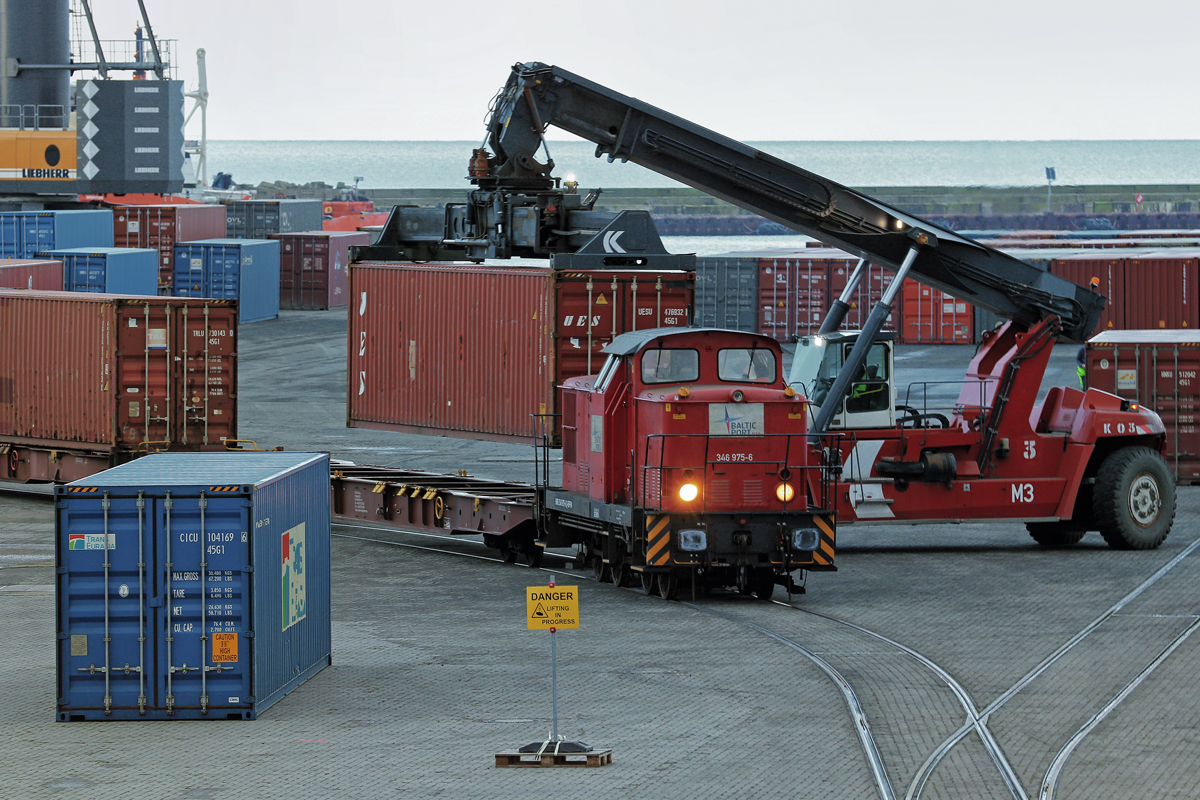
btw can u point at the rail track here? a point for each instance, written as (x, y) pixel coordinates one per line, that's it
(976, 719)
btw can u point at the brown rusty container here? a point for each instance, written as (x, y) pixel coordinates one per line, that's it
(475, 351)
(114, 376)
(1162, 290)
(160, 227)
(1109, 268)
(1159, 369)
(312, 268)
(16, 273)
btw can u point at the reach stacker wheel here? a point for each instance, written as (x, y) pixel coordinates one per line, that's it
(1055, 534)
(1134, 499)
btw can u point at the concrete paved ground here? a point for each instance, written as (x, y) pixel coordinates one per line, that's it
(433, 671)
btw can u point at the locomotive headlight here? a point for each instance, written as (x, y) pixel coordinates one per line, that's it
(785, 492)
(689, 492)
(806, 539)
(693, 541)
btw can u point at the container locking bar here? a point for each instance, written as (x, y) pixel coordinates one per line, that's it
(168, 504)
(105, 503)
(203, 604)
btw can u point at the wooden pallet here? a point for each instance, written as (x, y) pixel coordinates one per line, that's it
(596, 758)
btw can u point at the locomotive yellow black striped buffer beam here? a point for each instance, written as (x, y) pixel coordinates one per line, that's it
(658, 539)
(824, 553)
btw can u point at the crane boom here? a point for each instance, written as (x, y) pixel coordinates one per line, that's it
(538, 95)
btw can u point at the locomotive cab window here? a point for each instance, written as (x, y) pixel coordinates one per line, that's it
(746, 365)
(661, 365)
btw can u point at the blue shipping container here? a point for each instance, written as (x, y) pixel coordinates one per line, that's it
(225, 269)
(24, 234)
(219, 560)
(110, 270)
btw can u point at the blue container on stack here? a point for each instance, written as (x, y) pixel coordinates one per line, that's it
(109, 270)
(24, 234)
(246, 270)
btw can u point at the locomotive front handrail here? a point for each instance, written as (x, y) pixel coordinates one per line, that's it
(822, 503)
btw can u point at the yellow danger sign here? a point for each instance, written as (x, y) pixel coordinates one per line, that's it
(549, 607)
(224, 648)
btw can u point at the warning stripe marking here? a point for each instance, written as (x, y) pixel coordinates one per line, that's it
(81, 489)
(825, 551)
(658, 537)
(222, 488)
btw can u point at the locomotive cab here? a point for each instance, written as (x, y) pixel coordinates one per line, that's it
(689, 447)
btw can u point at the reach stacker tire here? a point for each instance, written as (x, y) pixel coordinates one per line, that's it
(1134, 499)
(1055, 534)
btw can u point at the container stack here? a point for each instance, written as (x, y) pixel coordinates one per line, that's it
(192, 586)
(259, 219)
(786, 294)
(93, 380)
(313, 267)
(161, 226)
(109, 270)
(1159, 369)
(26, 234)
(246, 270)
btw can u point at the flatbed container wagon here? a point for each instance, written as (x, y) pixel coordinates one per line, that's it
(94, 380)
(476, 351)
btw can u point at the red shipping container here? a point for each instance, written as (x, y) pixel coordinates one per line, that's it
(117, 374)
(1081, 268)
(474, 351)
(927, 316)
(1161, 290)
(160, 227)
(312, 267)
(17, 273)
(1159, 369)
(793, 296)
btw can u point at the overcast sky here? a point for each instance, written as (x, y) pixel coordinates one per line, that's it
(754, 70)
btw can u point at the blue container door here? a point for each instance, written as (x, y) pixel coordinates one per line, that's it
(12, 235)
(193, 582)
(89, 273)
(224, 273)
(189, 271)
(38, 234)
(95, 604)
(204, 633)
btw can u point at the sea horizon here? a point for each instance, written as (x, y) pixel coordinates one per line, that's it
(442, 164)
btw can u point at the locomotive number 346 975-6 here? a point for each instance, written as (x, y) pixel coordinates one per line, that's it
(735, 457)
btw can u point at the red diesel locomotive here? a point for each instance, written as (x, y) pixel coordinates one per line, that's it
(685, 462)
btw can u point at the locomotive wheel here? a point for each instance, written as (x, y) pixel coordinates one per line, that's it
(620, 574)
(600, 570)
(668, 585)
(1054, 534)
(507, 553)
(1134, 499)
(532, 554)
(649, 583)
(763, 584)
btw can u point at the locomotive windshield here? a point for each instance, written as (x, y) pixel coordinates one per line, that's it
(746, 365)
(662, 365)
